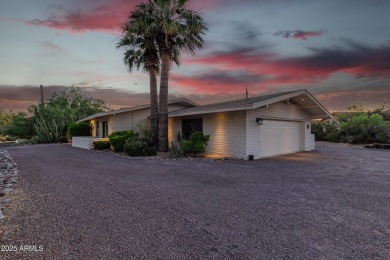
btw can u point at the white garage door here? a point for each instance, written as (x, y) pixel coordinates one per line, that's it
(280, 137)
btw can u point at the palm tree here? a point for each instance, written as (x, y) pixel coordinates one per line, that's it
(175, 28)
(141, 51)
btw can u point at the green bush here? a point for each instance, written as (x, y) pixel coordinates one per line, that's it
(326, 131)
(365, 128)
(175, 151)
(196, 144)
(118, 139)
(79, 129)
(140, 144)
(138, 147)
(101, 145)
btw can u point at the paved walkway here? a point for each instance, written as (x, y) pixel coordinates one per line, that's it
(76, 204)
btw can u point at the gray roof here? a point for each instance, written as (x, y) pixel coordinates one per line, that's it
(251, 103)
(182, 101)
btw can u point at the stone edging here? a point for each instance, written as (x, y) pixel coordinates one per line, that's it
(156, 157)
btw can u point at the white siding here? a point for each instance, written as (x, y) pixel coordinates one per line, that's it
(309, 142)
(226, 130)
(227, 134)
(129, 120)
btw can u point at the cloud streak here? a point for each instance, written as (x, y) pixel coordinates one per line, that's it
(298, 34)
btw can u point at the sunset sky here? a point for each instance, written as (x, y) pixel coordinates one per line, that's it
(337, 49)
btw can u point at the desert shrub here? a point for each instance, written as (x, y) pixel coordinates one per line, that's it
(32, 140)
(48, 131)
(365, 128)
(175, 151)
(138, 147)
(118, 139)
(145, 134)
(140, 144)
(326, 131)
(101, 145)
(79, 129)
(196, 144)
(9, 138)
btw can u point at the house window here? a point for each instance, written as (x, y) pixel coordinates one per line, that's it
(189, 126)
(105, 129)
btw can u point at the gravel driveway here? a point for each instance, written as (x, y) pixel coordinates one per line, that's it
(331, 203)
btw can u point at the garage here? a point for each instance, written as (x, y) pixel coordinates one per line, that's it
(280, 137)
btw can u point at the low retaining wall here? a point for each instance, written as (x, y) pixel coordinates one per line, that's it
(85, 142)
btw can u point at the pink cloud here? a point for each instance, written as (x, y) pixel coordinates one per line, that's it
(359, 61)
(106, 16)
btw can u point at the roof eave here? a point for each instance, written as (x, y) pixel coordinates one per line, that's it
(326, 115)
(194, 113)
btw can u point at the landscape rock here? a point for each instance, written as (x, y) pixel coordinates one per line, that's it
(8, 177)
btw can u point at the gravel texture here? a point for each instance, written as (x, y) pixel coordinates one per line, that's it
(331, 203)
(8, 177)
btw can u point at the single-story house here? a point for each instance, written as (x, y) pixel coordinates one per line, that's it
(262, 126)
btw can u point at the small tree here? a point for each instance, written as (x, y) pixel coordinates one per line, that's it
(20, 126)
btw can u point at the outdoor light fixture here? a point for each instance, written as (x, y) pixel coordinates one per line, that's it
(259, 120)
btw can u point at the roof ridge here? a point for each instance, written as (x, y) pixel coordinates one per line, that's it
(249, 98)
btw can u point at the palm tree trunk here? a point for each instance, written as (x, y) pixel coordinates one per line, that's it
(163, 105)
(154, 106)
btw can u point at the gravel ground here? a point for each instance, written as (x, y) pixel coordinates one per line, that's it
(71, 203)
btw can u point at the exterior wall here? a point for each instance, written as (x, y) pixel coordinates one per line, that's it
(226, 130)
(174, 127)
(309, 142)
(126, 121)
(129, 120)
(275, 111)
(85, 142)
